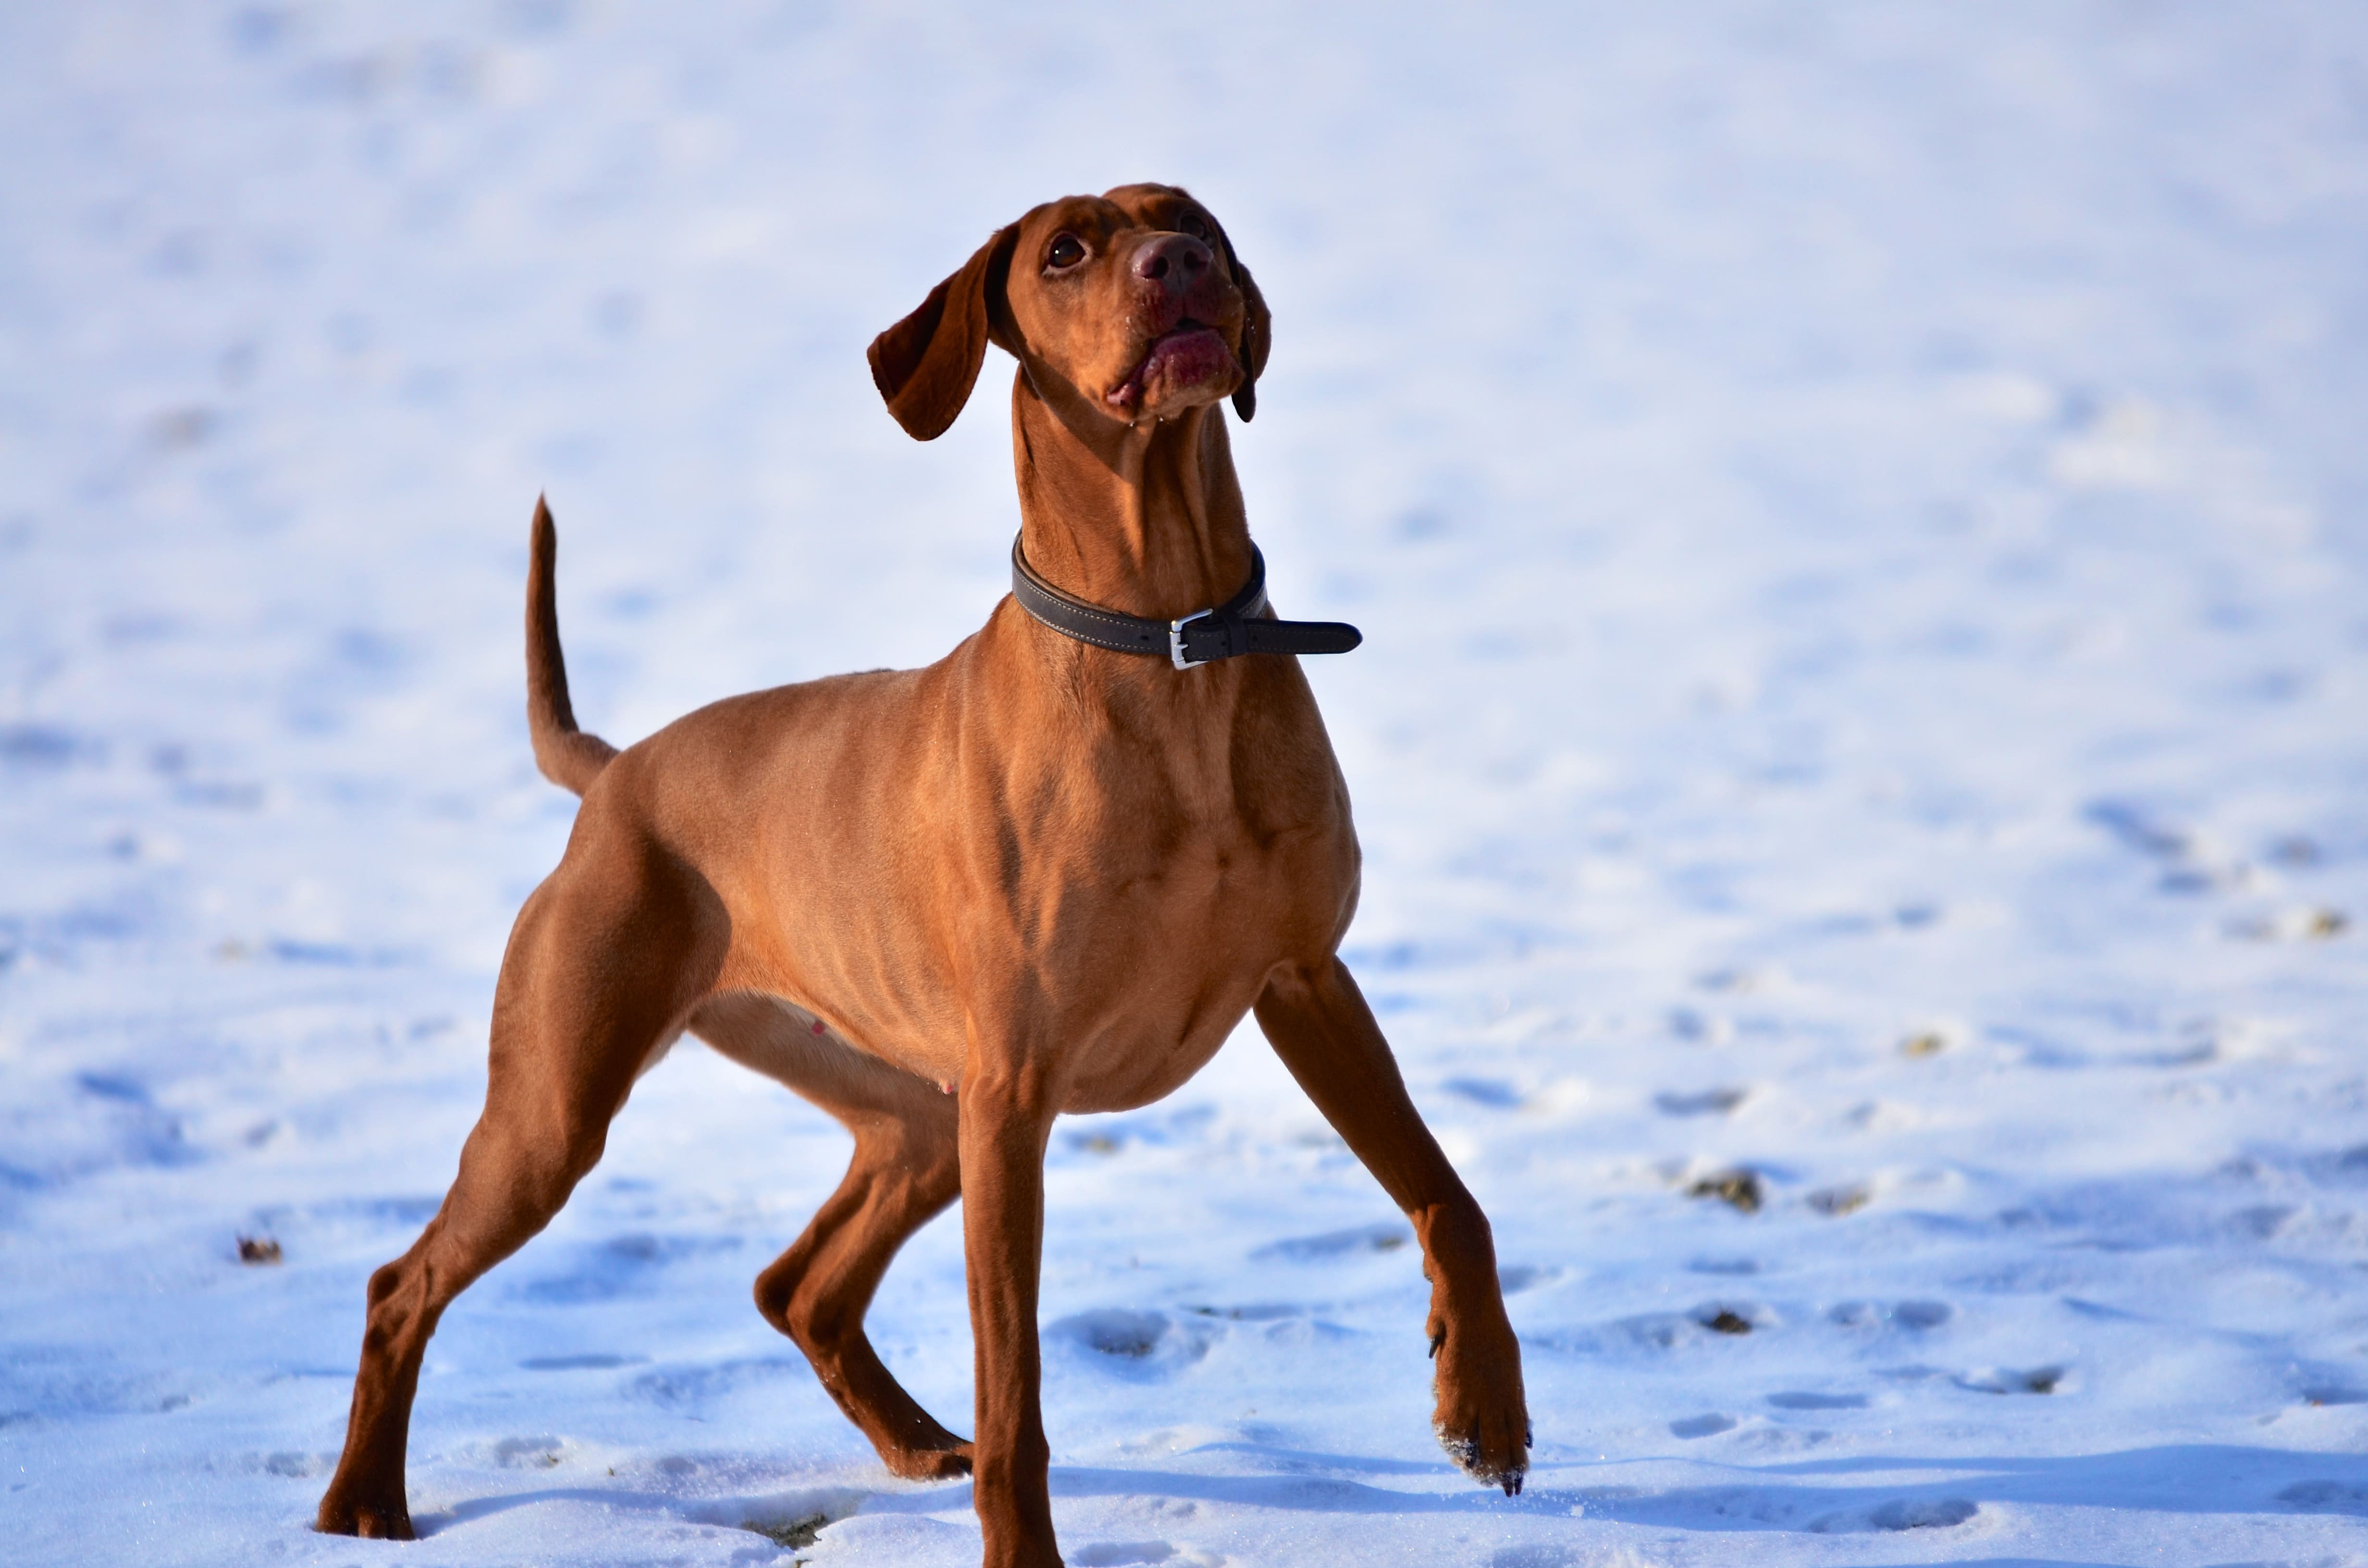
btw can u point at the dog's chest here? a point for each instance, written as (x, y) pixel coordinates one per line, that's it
(1200, 835)
(1148, 911)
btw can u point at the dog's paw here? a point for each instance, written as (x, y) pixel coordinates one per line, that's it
(929, 1464)
(1482, 1419)
(372, 1519)
(1482, 1452)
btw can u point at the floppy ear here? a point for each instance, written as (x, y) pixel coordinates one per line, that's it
(925, 364)
(1258, 332)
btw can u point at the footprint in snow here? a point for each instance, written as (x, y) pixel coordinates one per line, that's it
(2007, 1379)
(1916, 1315)
(2326, 1386)
(591, 1363)
(1901, 1514)
(2262, 1222)
(1540, 1554)
(1254, 1311)
(1138, 1345)
(1709, 1426)
(1735, 1266)
(529, 1453)
(1835, 1202)
(1122, 1553)
(789, 1519)
(692, 1387)
(790, 1534)
(1739, 1188)
(1494, 1093)
(1701, 1027)
(1705, 1324)
(2326, 1498)
(2295, 923)
(2337, 1167)
(622, 1266)
(1116, 1331)
(1818, 1401)
(1704, 1102)
(1383, 1237)
(42, 746)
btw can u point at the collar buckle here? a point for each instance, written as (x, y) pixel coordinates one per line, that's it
(1176, 639)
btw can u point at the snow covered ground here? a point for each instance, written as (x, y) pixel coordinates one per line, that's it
(1860, 521)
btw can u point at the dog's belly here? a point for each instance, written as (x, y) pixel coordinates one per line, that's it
(1139, 1073)
(1151, 1054)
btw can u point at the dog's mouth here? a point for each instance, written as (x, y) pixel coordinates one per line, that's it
(1191, 355)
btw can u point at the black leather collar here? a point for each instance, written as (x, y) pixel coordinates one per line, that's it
(1241, 625)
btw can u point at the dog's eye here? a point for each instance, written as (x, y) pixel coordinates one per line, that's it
(1198, 227)
(1064, 252)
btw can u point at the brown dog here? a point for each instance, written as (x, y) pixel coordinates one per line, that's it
(948, 905)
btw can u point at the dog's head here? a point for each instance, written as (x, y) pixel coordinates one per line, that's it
(1119, 307)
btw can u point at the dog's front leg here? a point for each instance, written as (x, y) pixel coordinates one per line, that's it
(1006, 1113)
(1319, 1025)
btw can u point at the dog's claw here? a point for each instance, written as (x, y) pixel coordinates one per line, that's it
(1512, 1485)
(1438, 1338)
(1529, 1434)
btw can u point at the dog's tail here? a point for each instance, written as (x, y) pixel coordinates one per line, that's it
(568, 757)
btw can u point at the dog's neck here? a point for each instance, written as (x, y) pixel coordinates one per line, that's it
(1146, 519)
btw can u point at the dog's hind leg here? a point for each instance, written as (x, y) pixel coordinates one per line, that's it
(1319, 1025)
(604, 963)
(905, 1169)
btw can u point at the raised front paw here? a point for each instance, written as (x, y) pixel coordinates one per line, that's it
(949, 1463)
(1483, 1419)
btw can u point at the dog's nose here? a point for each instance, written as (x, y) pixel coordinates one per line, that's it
(1173, 261)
